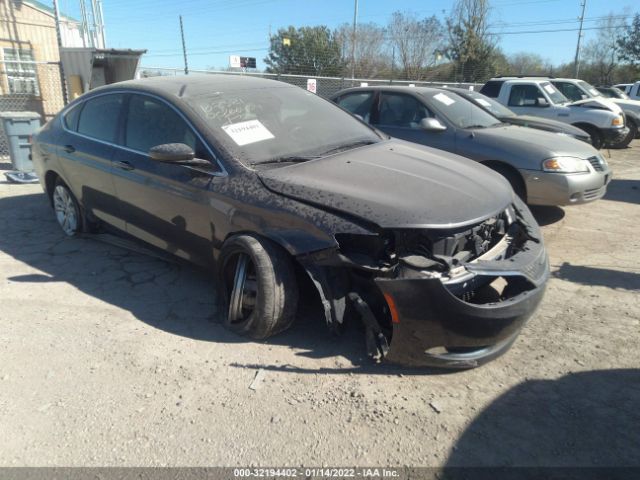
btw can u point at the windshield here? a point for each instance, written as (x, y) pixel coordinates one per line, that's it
(554, 94)
(494, 107)
(593, 91)
(279, 123)
(461, 112)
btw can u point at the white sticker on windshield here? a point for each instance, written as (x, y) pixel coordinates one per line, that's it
(244, 133)
(549, 88)
(447, 100)
(483, 102)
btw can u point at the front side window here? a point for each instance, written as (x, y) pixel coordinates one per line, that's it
(358, 103)
(99, 117)
(151, 122)
(21, 71)
(524, 96)
(397, 110)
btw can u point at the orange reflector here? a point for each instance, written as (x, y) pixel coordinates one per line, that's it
(392, 308)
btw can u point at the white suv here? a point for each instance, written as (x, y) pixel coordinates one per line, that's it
(603, 121)
(576, 90)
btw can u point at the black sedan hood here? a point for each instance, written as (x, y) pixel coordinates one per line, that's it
(545, 124)
(396, 184)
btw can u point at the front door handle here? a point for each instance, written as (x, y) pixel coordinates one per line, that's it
(124, 165)
(69, 148)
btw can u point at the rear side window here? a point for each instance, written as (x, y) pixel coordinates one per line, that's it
(358, 103)
(99, 117)
(492, 88)
(524, 95)
(70, 118)
(151, 122)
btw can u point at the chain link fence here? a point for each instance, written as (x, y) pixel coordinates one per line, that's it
(29, 87)
(325, 86)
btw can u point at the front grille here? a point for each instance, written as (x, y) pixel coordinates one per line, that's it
(596, 164)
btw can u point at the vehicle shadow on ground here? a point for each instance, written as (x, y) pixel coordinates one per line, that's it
(172, 296)
(597, 276)
(546, 215)
(586, 419)
(621, 190)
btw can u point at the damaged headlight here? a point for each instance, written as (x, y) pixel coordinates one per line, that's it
(565, 165)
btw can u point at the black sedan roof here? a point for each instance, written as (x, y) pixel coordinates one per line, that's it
(184, 86)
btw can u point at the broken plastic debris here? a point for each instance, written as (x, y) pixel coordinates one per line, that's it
(257, 380)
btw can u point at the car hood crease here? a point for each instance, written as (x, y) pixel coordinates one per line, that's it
(395, 184)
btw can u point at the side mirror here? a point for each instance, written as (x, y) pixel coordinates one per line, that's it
(432, 125)
(542, 102)
(172, 153)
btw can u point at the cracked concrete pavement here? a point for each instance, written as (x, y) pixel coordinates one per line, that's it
(110, 357)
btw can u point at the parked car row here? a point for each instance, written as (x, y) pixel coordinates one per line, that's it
(601, 119)
(405, 208)
(543, 168)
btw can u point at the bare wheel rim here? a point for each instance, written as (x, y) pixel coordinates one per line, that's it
(66, 211)
(244, 290)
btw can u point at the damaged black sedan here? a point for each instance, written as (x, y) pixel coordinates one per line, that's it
(267, 183)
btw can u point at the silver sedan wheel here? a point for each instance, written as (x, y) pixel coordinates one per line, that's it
(244, 290)
(66, 211)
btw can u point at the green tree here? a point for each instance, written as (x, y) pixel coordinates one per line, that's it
(629, 42)
(471, 47)
(305, 51)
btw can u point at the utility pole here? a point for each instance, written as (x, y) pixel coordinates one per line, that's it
(63, 83)
(353, 40)
(577, 60)
(184, 48)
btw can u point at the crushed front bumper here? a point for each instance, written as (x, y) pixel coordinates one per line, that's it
(435, 327)
(614, 135)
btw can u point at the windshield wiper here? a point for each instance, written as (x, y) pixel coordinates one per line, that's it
(476, 126)
(348, 146)
(287, 159)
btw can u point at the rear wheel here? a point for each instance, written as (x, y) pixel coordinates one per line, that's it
(67, 209)
(260, 286)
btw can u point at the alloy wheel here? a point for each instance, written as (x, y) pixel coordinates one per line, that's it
(66, 210)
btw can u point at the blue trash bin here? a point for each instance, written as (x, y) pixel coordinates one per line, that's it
(18, 128)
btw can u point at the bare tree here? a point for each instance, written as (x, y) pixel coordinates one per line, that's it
(416, 42)
(471, 46)
(372, 56)
(524, 63)
(602, 52)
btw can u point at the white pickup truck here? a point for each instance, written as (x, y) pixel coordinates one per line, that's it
(576, 90)
(631, 89)
(603, 121)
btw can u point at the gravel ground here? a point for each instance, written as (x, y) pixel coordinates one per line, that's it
(110, 357)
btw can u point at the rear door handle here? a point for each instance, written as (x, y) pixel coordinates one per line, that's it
(69, 148)
(124, 165)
